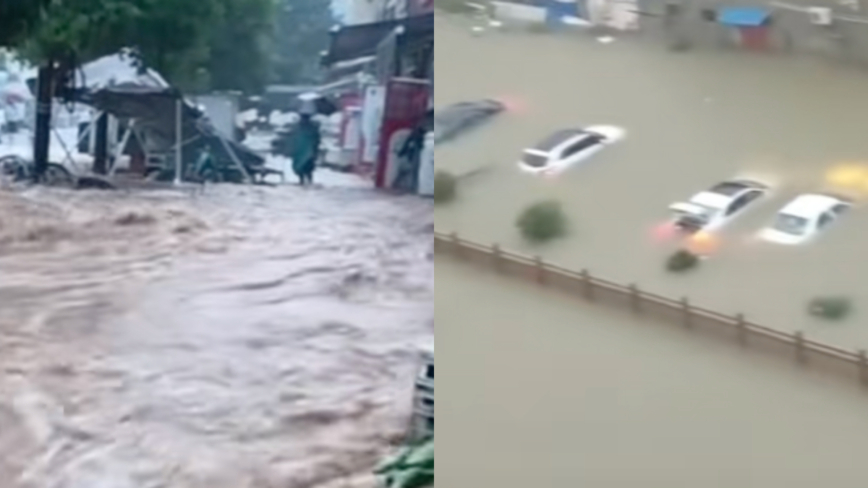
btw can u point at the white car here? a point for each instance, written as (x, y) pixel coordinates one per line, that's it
(805, 217)
(566, 148)
(714, 208)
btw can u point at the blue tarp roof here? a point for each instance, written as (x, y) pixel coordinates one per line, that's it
(742, 16)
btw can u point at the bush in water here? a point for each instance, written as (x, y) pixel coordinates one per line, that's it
(830, 307)
(682, 260)
(542, 221)
(537, 28)
(444, 187)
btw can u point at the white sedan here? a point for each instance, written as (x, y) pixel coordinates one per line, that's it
(566, 148)
(804, 218)
(714, 208)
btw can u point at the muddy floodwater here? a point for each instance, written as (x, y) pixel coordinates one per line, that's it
(561, 394)
(692, 119)
(232, 337)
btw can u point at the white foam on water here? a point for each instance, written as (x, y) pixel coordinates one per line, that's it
(240, 337)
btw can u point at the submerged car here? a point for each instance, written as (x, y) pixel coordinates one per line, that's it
(566, 148)
(804, 218)
(714, 208)
(461, 117)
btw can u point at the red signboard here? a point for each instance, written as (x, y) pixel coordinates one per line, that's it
(419, 7)
(406, 105)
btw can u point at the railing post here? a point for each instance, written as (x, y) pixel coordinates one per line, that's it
(496, 255)
(589, 286)
(540, 270)
(741, 329)
(456, 243)
(687, 314)
(863, 367)
(635, 297)
(799, 337)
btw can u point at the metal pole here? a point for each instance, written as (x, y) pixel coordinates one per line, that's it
(179, 139)
(100, 152)
(234, 157)
(121, 147)
(42, 129)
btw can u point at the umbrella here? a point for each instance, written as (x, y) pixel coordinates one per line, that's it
(312, 102)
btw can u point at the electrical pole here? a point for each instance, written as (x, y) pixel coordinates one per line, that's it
(100, 151)
(42, 132)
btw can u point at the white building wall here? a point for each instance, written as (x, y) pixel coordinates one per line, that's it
(364, 11)
(396, 9)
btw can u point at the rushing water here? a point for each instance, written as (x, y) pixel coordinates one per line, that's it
(692, 119)
(548, 393)
(229, 337)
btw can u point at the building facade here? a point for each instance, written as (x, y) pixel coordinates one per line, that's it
(355, 12)
(833, 29)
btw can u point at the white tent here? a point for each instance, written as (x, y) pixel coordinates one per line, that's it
(117, 69)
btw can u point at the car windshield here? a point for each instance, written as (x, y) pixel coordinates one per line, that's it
(534, 160)
(703, 212)
(791, 224)
(557, 139)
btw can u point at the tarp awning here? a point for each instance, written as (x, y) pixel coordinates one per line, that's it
(155, 112)
(356, 41)
(742, 16)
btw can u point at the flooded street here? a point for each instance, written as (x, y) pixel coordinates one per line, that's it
(228, 338)
(692, 120)
(570, 395)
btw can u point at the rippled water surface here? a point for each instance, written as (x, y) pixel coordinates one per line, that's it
(550, 393)
(229, 337)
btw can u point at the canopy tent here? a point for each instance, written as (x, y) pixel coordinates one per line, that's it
(163, 119)
(114, 69)
(158, 119)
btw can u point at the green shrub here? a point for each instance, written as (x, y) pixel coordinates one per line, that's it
(444, 187)
(830, 307)
(542, 221)
(537, 28)
(681, 261)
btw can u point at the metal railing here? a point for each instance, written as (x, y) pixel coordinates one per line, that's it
(794, 345)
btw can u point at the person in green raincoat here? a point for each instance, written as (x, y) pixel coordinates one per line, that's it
(305, 149)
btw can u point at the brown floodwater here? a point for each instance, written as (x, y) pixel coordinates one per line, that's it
(229, 337)
(547, 392)
(692, 119)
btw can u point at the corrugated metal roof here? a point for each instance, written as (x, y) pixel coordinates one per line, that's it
(742, 16)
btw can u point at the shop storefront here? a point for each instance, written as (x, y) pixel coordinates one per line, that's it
(394, 98)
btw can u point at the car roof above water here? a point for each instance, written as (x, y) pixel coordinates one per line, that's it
(556, 139)
(810, 205)
(711, 199)
(731, 188)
